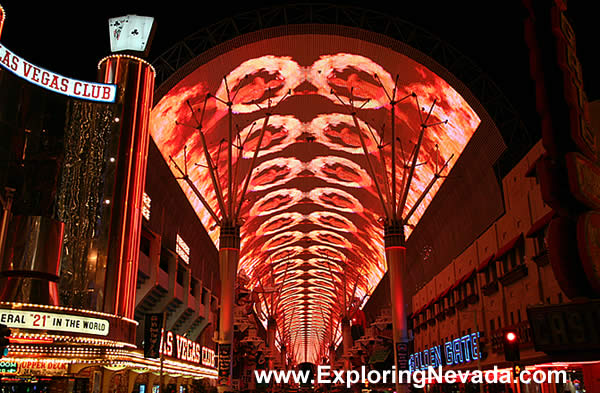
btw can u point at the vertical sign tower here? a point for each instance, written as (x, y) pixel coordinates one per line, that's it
(135, 80)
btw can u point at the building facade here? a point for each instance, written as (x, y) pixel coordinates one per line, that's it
(88, 252)
(498, 284)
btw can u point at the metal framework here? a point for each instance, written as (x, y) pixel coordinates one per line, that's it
(227, 215)
(394, 201)
(516, 136)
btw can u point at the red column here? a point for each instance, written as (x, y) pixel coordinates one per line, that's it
(229, 255)
(346, 342)
(395, 255)
(2, 17)
(135, 80)
(271, 329)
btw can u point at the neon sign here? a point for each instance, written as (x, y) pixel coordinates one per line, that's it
(458, 351)
(57, 83)
(146, 203)
(208, 357)
(187, 350)
(8, 367)
(182, 249)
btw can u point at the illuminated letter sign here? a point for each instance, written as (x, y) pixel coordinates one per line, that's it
(208, 357)
(43, 367)
(187, 350)
(59, 84)
(146, 203)
(182, 249)
(460, 350)
(224, 364)
(152, 335)
(7, 367)
(50, 321)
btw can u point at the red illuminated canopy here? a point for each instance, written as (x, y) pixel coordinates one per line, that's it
(311, 218)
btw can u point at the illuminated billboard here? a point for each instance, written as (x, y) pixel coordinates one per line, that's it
(312, 218)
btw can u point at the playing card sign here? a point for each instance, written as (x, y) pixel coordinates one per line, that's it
(130, 32)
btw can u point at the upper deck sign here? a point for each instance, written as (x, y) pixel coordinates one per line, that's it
(57, 83)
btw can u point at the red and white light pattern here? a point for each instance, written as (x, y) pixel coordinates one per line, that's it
(311, 215)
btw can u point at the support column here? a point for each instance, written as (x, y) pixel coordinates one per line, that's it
(131, 378)
(271, 327)
(332, 356)
(229, 254)
(106, 380)
(395, 254)
(120, 249)
(283, 355)
(346, 341)
(151, 380)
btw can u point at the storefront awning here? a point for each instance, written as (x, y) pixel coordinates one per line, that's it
(508, 246)
(465, 278)
(531, 171)
(485, 263)
(540, 224)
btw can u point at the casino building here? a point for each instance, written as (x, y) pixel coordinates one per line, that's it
(293, 195)
(76, 316)
(505, 281)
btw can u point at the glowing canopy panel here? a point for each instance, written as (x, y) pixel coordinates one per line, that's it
(311, 217)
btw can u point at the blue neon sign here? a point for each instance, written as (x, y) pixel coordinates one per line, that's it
(458, 351)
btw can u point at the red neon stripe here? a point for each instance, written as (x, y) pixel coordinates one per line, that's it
(396, 248)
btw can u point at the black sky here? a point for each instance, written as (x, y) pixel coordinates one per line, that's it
(70, 39)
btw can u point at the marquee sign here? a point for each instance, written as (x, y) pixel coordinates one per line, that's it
(54, 322)
(187, 350)
(44, 367)
(461, 350)
(57, 83)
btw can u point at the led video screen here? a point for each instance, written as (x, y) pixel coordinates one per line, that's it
(312, 220)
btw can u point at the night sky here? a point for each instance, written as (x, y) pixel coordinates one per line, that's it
(71, 39)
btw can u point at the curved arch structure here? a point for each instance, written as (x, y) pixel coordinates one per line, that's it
(311, 218)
